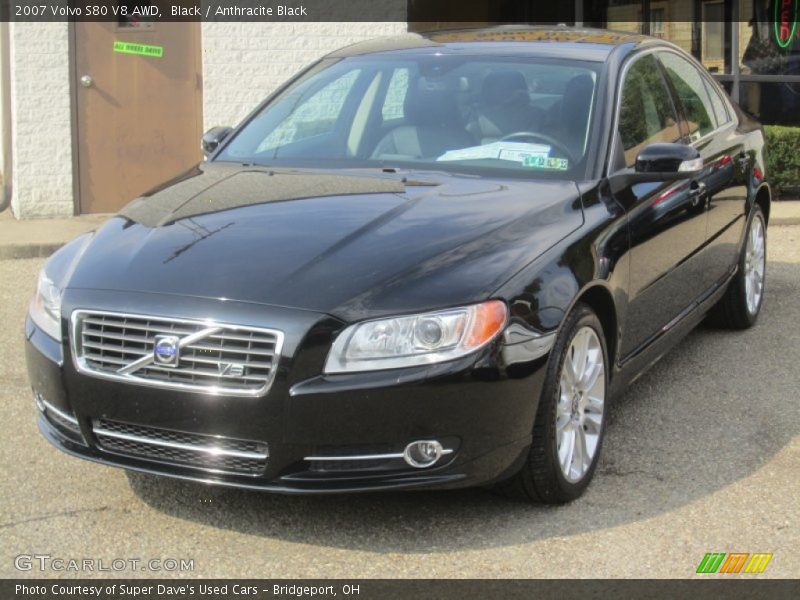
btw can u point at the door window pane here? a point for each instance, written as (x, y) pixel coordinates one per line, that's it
(692, 94)
(646, 111)
(720, 109)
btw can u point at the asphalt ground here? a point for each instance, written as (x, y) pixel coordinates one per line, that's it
(702, 455)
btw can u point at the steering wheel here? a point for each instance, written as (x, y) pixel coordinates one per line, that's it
(531, 135)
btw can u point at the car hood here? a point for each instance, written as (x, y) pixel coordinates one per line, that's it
(352, 245)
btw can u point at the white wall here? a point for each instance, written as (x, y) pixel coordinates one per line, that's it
(41, 129)
(244, 62)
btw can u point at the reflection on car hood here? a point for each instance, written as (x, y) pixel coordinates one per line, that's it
(350, 245)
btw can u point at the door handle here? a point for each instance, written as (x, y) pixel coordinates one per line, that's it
(697, 192)
(87, 81)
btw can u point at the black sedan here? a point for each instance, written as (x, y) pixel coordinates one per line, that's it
(428, 261)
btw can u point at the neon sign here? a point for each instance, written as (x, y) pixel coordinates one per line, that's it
(785, 21)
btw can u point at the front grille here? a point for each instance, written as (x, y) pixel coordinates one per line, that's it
(212, 358)
(199, 451)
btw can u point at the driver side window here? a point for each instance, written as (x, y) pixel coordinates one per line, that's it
(647, 114)
(312, 115)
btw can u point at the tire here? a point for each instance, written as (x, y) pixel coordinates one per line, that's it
(542, 478)
(738, 309)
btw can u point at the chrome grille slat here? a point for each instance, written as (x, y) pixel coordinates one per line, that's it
(100, 359)
(254, 351)
(217, 359)
(200, 451)
(235, 337)
(199, 372)
(114, 336)
(110, 348)
(141, 327)
(210, 361)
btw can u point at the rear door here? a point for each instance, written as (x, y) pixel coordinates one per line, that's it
(667, 220)
(708, 125)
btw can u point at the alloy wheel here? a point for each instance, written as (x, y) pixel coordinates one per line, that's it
(581, 404)
(754, 265)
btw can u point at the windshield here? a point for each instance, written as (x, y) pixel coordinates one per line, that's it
(526, 115)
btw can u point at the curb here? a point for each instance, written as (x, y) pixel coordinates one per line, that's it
(13, 251)
(784, 221)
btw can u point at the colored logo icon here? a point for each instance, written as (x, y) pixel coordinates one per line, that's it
(734, 562)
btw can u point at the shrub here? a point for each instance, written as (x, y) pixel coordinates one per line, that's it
(783, 159)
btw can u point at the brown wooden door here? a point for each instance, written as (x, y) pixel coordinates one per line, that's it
(138, 117)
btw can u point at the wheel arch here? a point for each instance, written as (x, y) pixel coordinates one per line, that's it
(600, 299)
(763, 198)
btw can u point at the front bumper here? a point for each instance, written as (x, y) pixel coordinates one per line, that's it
(481, 409)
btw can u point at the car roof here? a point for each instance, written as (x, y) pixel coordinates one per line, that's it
(516, 40)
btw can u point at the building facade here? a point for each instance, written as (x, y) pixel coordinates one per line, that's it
(93, 114)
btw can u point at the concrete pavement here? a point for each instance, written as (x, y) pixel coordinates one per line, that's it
(41, 237)
(702, 455)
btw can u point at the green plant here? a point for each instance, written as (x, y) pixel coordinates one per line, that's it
(783, 158)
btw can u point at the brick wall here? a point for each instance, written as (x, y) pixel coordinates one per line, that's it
(244, 62)
(41, 142)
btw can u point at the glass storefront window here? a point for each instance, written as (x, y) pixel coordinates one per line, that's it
(697, 26)
(771, 103)
(769, 38)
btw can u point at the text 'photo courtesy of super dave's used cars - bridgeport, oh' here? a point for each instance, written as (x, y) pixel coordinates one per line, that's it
(425, 262)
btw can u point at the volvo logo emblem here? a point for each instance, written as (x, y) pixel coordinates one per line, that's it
(167, 351)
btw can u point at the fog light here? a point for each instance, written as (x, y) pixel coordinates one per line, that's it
(423, 453)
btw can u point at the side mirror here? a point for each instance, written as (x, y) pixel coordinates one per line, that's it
(660, 162)
(677, 160)
(213, 138)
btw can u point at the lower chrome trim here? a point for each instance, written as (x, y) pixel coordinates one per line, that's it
(215, 451)
(67, 417)
(391, 455)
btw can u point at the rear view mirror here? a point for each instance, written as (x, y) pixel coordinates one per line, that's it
(212, 139)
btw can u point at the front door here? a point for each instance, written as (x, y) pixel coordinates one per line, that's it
(138, 108)
(666, 220)
(709, 125)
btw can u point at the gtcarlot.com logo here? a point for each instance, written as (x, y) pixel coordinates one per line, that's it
(734, 562)
(46, 562)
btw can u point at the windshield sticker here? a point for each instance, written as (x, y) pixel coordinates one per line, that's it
(516, 152)
(544, 162)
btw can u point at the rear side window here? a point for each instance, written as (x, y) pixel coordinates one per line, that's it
(692, 94)
(646, 111)
(720, 111)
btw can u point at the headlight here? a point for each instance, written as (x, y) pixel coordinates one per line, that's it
(416, 339)
(45, 307)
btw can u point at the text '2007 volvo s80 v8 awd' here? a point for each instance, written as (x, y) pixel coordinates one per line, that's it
(427, 261)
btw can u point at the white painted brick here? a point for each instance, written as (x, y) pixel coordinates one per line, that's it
(41, 134)
(244, 62)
